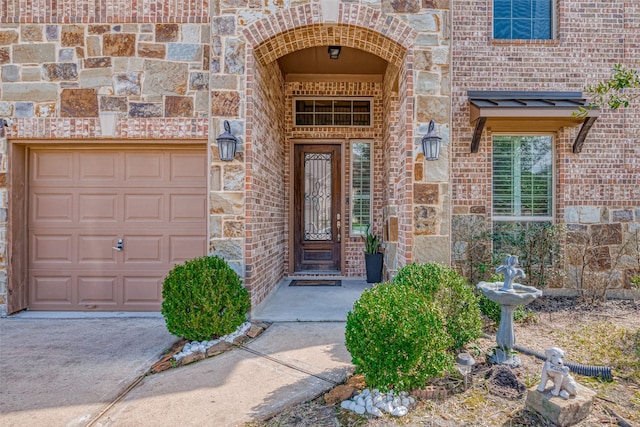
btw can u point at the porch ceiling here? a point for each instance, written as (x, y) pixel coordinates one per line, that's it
(315, 60)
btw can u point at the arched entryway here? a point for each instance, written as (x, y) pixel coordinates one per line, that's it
(273, 138)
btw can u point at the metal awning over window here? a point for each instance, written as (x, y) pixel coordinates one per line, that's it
(531, 111)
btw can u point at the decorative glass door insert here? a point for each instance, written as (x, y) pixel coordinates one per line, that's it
(317, 196)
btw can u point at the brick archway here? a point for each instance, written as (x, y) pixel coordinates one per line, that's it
(301, 27)
(267, 157)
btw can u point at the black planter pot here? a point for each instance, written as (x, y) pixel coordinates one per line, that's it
(373, 262)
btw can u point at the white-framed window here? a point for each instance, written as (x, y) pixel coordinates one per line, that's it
(523, 19)
(333, 112)
(361, 185)
(522, 183)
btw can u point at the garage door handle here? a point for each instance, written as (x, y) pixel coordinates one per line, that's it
(120, 245)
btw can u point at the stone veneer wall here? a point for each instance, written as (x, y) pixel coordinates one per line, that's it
(590, 186)
(62, 65)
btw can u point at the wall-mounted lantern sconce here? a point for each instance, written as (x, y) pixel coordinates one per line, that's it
(334, 52)
(431, 143)
(227, 143)
(108, 121)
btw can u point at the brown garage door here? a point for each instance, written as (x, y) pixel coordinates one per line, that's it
(82, 202)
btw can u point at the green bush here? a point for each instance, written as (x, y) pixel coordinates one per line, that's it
(403, 333)
(204, 299)
(451, 293)
(397, 338)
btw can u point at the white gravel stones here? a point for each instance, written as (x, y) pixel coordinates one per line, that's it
(203, 346)
(373, 402)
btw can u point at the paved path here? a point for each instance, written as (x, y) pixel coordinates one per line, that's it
(303, 360)
(68, 372)
(75, 369)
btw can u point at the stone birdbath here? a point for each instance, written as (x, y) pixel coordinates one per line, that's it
(509, 295)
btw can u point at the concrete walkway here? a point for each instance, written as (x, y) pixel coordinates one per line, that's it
(79, 370)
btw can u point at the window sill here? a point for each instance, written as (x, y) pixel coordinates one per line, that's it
(525, 42)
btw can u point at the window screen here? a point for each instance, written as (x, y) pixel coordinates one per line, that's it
(522, 19)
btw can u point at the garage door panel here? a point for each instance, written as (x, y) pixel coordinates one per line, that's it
(97, 249)
(188, 168)
(52, 249)
(52, 207)
(52, 168)
(188, 208)
(51, 289)
(143, 249)
(98, 166)
(143, 289)
(183, 248)
(97, 290)
(84, 200)
(145, 167)
(97, 208)
(144, 207)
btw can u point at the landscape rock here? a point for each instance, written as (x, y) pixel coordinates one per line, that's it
(374, 402)
(162, 365)
(356, 381)
(338, 394)
(190, 358)
(562, 412)
(218, 348)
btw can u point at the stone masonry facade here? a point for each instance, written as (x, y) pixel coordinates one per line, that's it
(172, 72)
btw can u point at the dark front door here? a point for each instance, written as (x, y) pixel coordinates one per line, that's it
(317, 221)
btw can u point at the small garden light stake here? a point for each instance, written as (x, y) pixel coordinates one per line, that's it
(464, 365)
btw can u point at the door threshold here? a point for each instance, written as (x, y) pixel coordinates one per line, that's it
(315, 273)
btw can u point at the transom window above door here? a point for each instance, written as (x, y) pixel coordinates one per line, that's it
(523, 19)
(332, 112)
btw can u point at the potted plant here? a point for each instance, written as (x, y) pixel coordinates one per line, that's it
(372, 258)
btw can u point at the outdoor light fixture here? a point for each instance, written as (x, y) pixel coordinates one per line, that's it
(334, 51)
(464, 364)
(227, 144)
(431, 143)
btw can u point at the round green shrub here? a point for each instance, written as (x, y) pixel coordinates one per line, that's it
(451, 293)
(204, 299)
(396, 338)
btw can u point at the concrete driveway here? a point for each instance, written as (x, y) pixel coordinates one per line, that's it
(64, 371)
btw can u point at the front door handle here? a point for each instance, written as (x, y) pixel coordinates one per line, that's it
(119, 246)
(338, 227)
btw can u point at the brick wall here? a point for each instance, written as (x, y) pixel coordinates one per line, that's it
(353, 245)
(266, 211)
(591, 37)
(109, 11)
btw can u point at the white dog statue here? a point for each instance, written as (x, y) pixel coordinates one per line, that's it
(554, 370)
